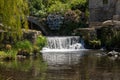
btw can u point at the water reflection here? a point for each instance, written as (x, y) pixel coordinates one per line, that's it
(62, 66)
(62, 58)
(81, 66)
(30, 69)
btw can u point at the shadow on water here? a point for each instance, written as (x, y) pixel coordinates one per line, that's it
(83, 65)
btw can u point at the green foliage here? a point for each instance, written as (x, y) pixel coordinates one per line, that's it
(2, 54)
(95, 44)
(13, 17)
(114, 41)
(58, 7)
(40, 13)
(77, 2)
(71, 21)
(37, 8)
(24, 45)
(106, 34)
(41, 42)
(8, 55)
(110, 37)
(43, 7)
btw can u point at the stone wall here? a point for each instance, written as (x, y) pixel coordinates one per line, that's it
(118, 8)
(31, 35)
(100, 11)
(86, 33)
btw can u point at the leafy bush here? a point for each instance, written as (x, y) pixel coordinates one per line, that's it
(41, 42)
(58, 7)
(42, 7)
(24, 45)
(95, 44)
(71, 22)
(8, 55)
(114, 41)
(71, 16)
(2, 54)
(79, 4)
(35, 6)
(41, 13)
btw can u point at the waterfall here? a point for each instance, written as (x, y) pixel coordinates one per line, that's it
(64, 43)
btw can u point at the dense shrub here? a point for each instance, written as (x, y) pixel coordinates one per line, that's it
(24, 45)
(8, 55)
(44, 7)
(58, 7)
(72, 16)
(71, 22)
(110, 37)
(40, 42)
(36, 7)
(114, 41)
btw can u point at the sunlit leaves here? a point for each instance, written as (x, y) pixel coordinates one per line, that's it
(58, 7)
(12, 13)
(53, 6)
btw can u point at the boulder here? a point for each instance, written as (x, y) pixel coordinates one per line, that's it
(113, 53)
(22, 54)
(111, 23)
(86, 33)
(31, 35)
(116, 17)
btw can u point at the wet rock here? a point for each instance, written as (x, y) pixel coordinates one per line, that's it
(86, 33)
(113, 54)
(22, 54)
(111, 22)
(21, 57)
(116, 17)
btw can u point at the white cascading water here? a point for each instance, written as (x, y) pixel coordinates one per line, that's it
(69, 43)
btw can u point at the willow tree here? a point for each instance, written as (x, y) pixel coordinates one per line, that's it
(13, 17)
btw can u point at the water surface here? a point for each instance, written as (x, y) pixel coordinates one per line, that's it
(80, 65)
